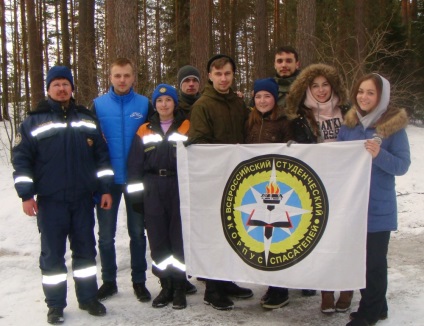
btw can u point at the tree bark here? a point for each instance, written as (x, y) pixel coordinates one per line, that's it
(305, 35)
(35, 55)
(87, 68)
(360, 34)
(64, 26)
(261, 42)
(200, 36)
(4, 114)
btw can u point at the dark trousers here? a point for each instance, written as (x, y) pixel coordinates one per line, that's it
(163, 225)
(107, 221)
(57, 221)
(373, 298)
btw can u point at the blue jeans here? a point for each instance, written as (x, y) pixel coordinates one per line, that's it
(107, 220)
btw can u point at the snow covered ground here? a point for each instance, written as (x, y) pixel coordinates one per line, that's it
(22, 299)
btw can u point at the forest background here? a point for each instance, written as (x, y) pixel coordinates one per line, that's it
(161, 36)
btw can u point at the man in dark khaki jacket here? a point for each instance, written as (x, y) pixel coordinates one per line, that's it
(218, 117)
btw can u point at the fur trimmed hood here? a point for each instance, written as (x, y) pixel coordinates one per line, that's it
(297, 92)
(391, 121)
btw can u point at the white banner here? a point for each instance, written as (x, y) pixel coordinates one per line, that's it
(275, 215)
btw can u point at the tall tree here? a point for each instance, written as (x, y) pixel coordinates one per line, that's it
(182, 42)
(4, 114)
(125, 29)
(261, 42)
(87, 66)
(144, 71)
(360, 34)
(305, 34)
(35, 54)
(158, 41)
(25, 54)
(200, 36)
(64, 24)
(122, 30)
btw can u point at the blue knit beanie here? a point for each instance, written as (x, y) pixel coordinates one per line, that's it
(59, 72)
(267, 84)
(165, 89)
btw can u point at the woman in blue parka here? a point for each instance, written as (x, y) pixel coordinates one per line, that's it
(383, 129)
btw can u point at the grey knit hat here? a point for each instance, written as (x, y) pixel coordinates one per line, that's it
(187, 72)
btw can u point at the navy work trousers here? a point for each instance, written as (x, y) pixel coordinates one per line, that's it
(57, 221)
(163, 224)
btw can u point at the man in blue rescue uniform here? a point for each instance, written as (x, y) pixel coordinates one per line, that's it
(60, 156)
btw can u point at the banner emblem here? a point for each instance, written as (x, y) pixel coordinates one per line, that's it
(274, 211)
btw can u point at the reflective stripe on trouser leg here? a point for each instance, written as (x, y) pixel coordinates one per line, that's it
(82, 244)
(163, 224)
(55, 294)
(85, 283)
(53, 223)
(86, 288)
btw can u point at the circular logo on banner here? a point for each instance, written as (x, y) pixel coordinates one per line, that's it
(274, 211)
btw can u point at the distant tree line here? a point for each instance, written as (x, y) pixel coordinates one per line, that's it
(160, 36)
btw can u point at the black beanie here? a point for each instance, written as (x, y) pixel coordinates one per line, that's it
(187, 72)
(59, 72)
(219, 56)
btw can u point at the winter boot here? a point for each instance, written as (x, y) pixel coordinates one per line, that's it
(233, 290)
(344, 301)
(327, 303)
(276, 298)
(141, 292)
(190, 288)
(55, 316)
(107, 290)
(94, 308)
(165, 295)
(356, 315)
(216, 297)
(179, 301)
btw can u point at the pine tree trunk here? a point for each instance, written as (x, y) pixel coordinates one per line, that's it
(200, 36)
(35, 55)
(306, 17)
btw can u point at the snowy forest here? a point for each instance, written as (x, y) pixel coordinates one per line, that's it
(161, 36)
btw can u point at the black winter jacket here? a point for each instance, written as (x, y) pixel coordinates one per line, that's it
(152, 150)
(60, 153)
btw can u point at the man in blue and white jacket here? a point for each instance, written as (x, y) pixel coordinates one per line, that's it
(121, 112)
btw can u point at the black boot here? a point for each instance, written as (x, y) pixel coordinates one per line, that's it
(165, 295)
(216, 296)
(55, 316)
(190, 288)
(141, 292)
(107, 290)
(93, 307)
(179, 301)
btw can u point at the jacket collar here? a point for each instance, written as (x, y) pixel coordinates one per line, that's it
(390, 122)
(121, 98)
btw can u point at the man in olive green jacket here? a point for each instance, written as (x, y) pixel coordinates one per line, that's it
(218, 117)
